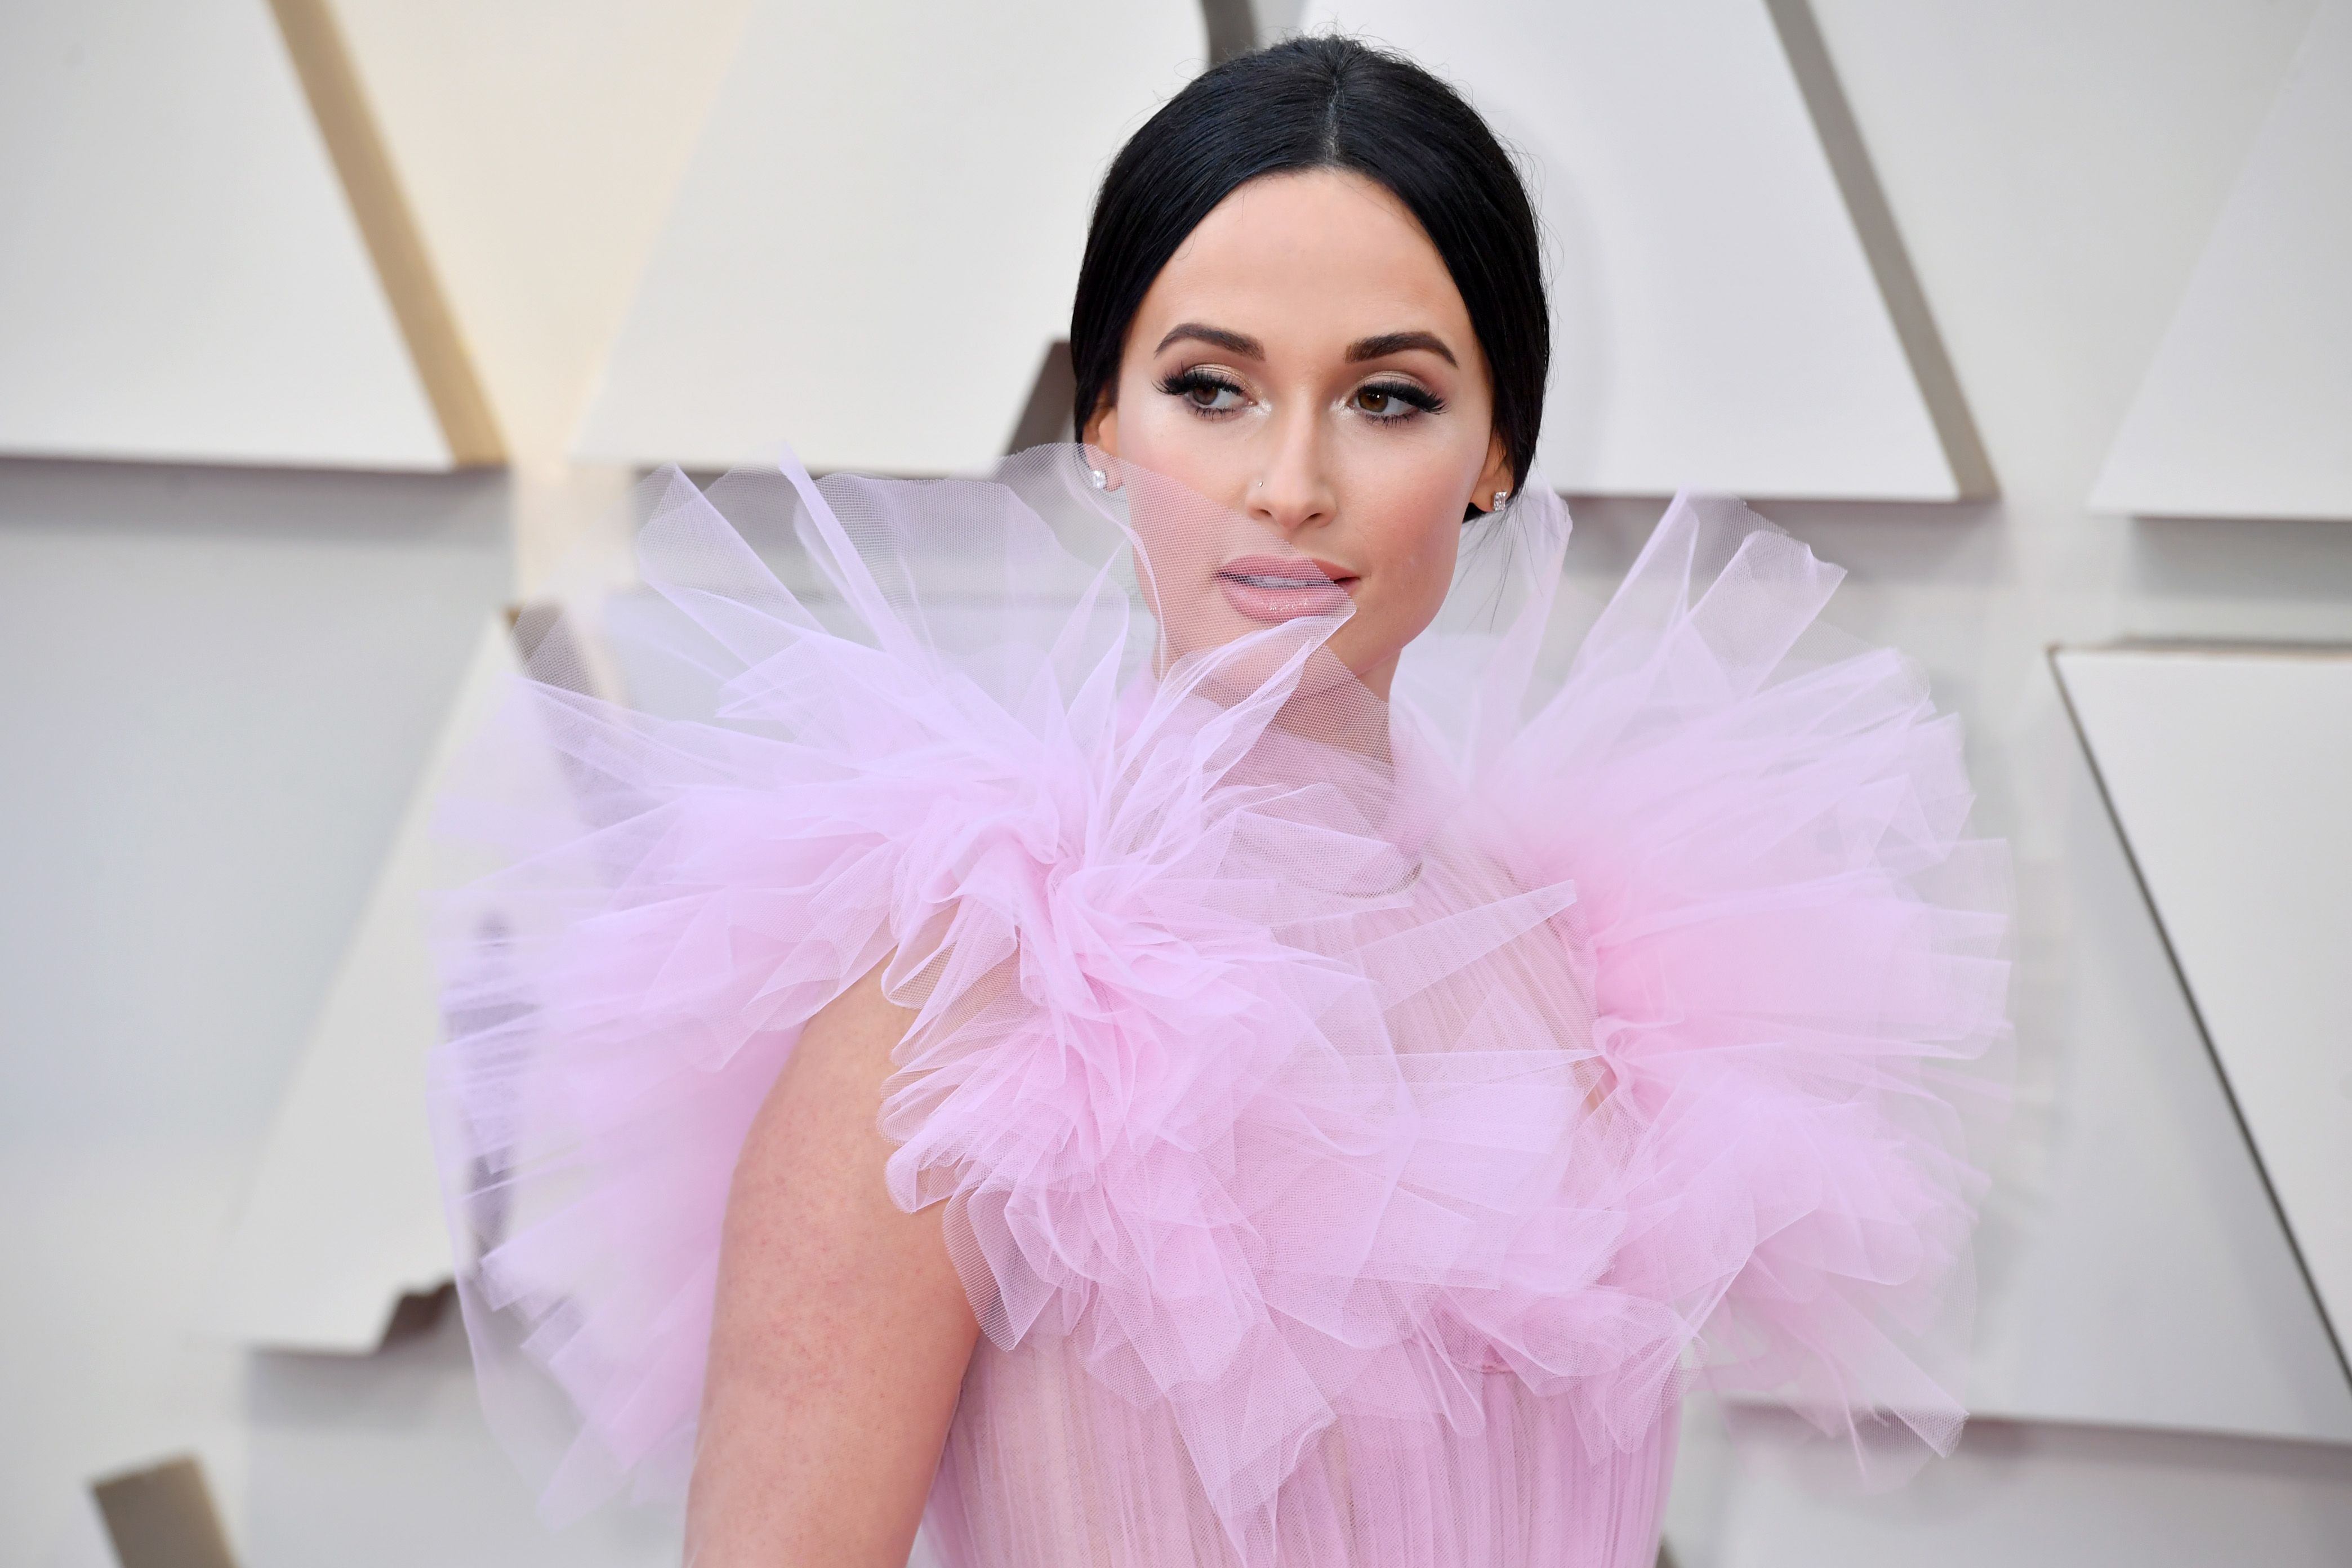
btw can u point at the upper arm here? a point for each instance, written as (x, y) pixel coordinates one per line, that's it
(842, 1330)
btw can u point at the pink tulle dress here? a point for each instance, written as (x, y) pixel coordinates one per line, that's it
(1360, 1123)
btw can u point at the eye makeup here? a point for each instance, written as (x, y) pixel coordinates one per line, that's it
(1195, 384)
(1382, 402)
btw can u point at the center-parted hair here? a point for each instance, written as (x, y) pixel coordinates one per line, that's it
(1324, 102)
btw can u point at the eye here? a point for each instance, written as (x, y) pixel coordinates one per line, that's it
(1206, 392)
(1393, 402)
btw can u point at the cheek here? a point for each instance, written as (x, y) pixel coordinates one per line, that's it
(1417, 554)
(1410, 497)
(1412, 551)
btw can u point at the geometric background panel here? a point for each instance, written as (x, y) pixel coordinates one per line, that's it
(342, 1215)
(539, 143)
(2135, 1272)
(1718, 319)
(2246, 408)
(784, 301)
(2226, 769)
(197, 266)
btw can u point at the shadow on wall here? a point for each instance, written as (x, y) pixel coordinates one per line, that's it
(239, 673)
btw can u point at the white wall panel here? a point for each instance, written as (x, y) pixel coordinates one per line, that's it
(1716, 321)
(182, 276)
(2230, 770)
(217, 686)
(878, 234)
(2137, 1271)
(343, 1214)
(2246, 410)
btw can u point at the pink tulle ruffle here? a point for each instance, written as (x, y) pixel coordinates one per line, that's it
(1363, 1126)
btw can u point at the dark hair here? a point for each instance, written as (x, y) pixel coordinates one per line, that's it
(1323, 102)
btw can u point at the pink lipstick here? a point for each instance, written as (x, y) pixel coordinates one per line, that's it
(1277, 588)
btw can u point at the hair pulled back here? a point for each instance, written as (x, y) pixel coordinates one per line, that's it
(1323, 102)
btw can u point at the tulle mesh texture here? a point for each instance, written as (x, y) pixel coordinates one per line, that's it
(1357, 1121)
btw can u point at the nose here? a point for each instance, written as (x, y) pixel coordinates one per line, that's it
(1292, 490)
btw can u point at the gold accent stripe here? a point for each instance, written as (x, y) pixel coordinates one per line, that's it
(339, 106)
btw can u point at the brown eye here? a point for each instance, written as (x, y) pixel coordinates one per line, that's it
(1393, 402)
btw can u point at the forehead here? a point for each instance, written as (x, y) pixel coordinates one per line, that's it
(1319, 248)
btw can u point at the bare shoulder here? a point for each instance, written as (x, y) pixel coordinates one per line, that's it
(817, 1131)
(841, 1330)
(856, 1030)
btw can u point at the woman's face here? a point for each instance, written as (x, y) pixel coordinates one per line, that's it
(1305, 360)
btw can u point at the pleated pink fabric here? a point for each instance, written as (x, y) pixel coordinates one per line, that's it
(1357, 1121)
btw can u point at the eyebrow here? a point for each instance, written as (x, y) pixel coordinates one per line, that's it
(1363, 348)
(1388, 344)
(1218, 337)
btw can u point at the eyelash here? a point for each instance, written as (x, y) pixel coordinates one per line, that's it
(1417, 399)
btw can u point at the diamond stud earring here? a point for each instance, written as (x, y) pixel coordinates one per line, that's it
(1098, 479)
(1500, 497)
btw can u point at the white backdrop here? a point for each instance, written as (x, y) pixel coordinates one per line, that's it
(217, 687)
(2246, 409)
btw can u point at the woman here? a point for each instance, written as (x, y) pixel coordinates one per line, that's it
(1112, 1026)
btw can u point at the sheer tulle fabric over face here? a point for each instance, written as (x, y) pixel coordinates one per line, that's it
(1357, 1121)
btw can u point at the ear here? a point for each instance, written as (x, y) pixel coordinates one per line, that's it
(1101, 445)
(1495, 475)
(1102, 430)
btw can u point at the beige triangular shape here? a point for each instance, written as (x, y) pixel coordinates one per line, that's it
(539, 148)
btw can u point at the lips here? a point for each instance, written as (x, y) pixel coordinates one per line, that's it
(1279, 588)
